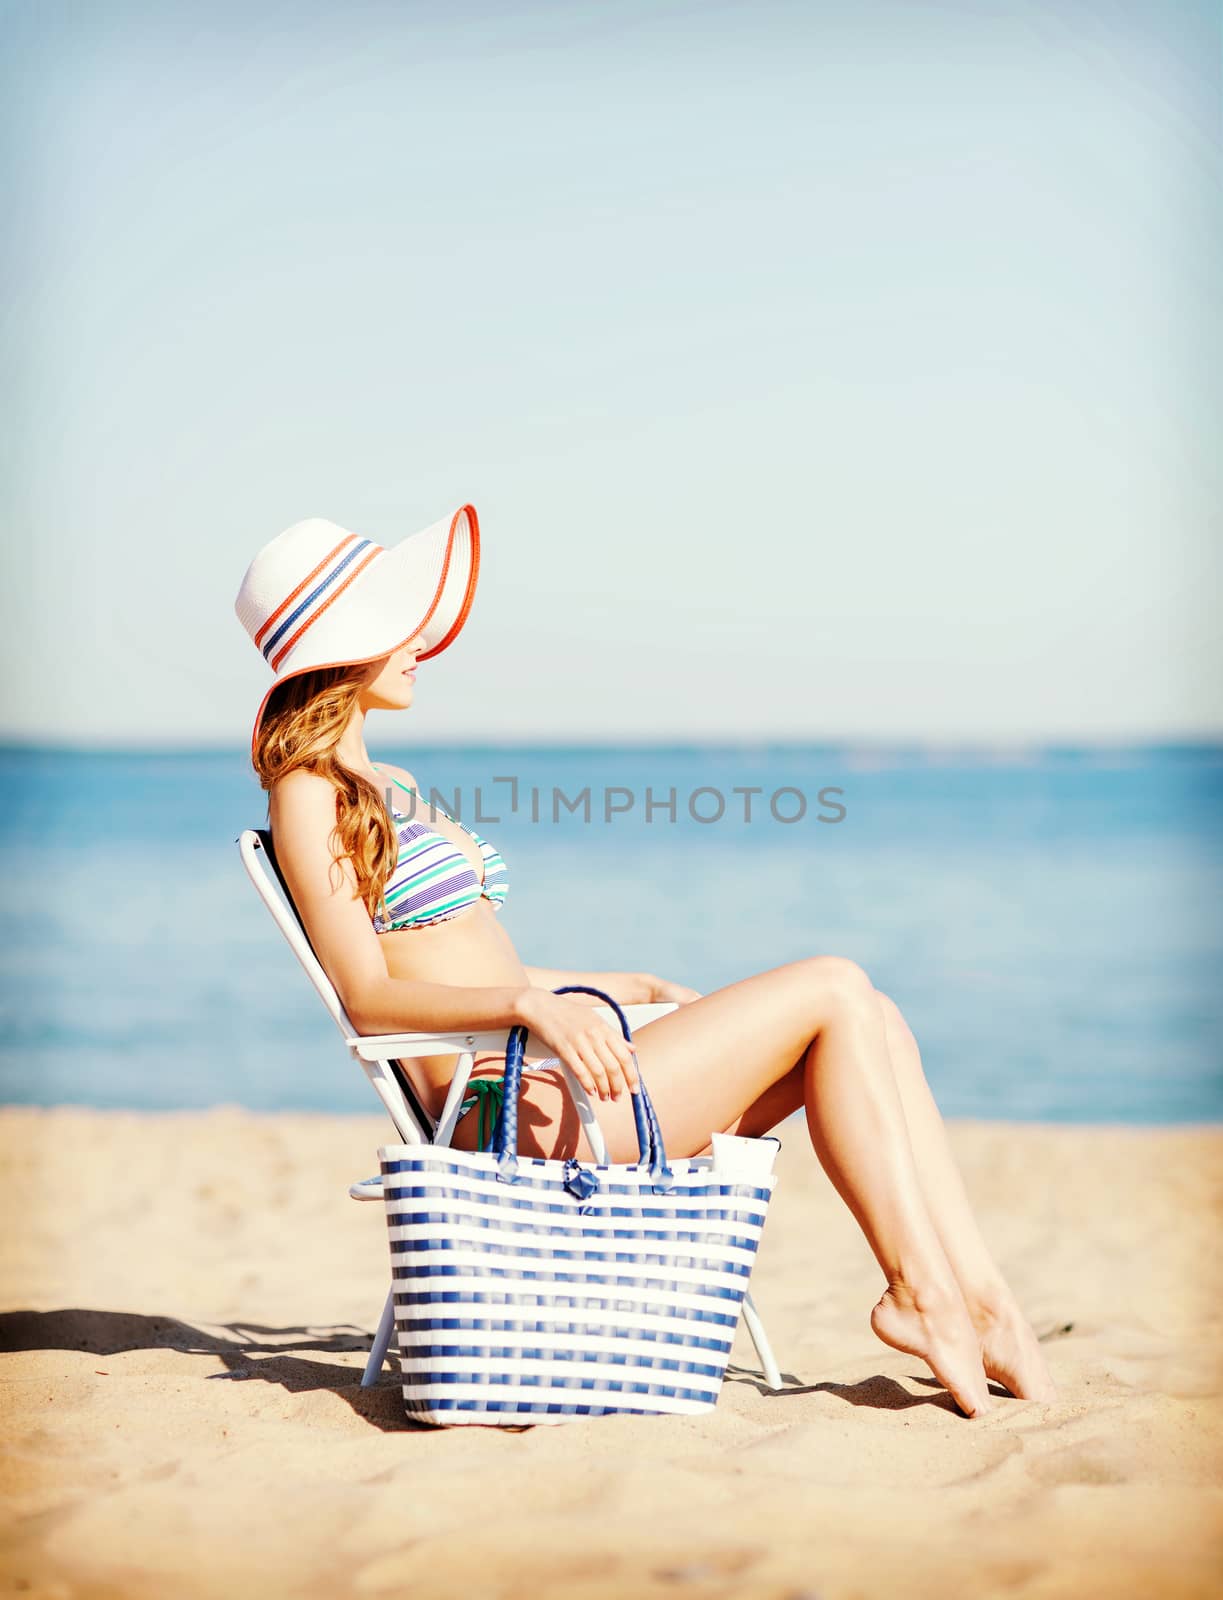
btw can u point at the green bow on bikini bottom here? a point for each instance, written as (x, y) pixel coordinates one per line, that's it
(489, 1094)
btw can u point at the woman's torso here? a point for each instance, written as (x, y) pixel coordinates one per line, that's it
(470, 949)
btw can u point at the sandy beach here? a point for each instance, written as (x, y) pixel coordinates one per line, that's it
(187, 1299)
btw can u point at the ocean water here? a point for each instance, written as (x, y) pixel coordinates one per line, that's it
(1051, 923)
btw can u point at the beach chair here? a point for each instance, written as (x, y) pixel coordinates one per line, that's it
(380, 1055)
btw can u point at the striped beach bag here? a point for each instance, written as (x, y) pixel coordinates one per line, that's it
(540, 1291)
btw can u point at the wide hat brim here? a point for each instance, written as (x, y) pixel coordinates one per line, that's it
(422, 586)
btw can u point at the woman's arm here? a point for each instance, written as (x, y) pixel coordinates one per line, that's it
(302, 807)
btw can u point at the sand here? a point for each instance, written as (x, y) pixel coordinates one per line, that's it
(187, 1300)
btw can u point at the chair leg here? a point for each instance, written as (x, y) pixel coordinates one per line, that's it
(772, 1374)
(382, 1343)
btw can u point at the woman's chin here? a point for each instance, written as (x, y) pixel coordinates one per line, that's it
(382, 703)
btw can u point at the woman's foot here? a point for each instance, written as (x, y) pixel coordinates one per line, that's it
(935, 1326)
(1009, 1349)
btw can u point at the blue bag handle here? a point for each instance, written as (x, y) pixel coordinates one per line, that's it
(649, 1131)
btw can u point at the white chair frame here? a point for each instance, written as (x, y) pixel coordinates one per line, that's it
(379, 1054)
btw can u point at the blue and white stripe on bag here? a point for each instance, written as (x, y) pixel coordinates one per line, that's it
(544, 1290)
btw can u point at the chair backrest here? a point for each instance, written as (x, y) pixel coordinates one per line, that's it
(391, 1084)
(258, 854)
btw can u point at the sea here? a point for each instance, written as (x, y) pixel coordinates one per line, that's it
(1049, 920)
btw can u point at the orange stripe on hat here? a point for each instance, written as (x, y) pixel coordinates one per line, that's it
(331, 599)
(304, 584)
(469, 595)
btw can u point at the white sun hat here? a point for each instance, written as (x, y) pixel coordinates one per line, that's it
(319, 596)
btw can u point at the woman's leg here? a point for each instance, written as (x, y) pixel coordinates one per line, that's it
(709, 1059)
(1009, 1349)
(1010, 1352)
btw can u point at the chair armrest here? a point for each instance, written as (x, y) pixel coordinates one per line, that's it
(638, 1016)
(406, 1046)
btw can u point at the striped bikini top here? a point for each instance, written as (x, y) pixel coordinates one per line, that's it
(433, 880)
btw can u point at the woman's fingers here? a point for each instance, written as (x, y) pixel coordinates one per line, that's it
(594, 1073)
(578, 1067)
(601, 1058)
(597, 1064)
(585, 1077)
(606, 1067)
(618, 1062)
(628, 1064)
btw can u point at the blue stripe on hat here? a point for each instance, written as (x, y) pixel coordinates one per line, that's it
(269, 643)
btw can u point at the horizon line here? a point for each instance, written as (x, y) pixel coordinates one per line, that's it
(1008, 744)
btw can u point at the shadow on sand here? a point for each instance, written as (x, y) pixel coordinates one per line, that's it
(250, 1350)
(247, 1349)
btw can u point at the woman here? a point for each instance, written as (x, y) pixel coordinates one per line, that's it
(401, 905)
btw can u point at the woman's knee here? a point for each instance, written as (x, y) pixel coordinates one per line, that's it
(837, 985)
(893, 1016)
(838, 976)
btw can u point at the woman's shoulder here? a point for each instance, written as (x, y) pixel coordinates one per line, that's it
(401, 774)
(301, 794)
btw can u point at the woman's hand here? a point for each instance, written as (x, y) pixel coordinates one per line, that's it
(600, 1056)
(659, 990)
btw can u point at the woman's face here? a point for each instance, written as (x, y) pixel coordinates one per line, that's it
(388, 683)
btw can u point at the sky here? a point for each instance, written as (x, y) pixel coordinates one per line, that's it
(817, 371)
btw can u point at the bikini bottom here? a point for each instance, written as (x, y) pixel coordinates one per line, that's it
(489, 1095)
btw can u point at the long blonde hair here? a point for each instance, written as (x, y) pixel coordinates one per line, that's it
(301, 728)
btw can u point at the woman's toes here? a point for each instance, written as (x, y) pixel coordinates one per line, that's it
(936, 1328)
(1011, 1354)
(1013, 1359)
